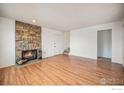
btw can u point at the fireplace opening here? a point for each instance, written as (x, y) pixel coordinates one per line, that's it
(29, 55)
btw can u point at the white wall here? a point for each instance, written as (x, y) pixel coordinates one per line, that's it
(7, 42)
(83, 42)
(123, 42)
(123, 47)
(66, 40)
(104, 43)
(51, 38)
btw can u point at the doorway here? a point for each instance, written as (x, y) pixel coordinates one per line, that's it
(104, 44)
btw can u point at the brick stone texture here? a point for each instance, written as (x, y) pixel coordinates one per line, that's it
(28, 37)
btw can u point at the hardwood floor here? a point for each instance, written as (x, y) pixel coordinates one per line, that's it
(64, 70)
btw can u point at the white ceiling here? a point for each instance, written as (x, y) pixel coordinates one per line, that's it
(64, 17)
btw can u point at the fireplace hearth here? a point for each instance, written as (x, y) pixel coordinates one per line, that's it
(29, 55)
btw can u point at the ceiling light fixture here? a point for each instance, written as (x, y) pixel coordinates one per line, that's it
(34, 21)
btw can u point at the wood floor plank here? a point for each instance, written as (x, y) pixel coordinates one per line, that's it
(64, 70)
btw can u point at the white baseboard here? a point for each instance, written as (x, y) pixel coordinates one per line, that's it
(95, 58)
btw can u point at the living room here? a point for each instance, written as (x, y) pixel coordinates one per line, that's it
(62, 44)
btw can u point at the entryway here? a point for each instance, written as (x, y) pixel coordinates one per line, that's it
(104, 45)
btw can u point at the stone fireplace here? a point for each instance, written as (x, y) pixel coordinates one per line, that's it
(28, 42)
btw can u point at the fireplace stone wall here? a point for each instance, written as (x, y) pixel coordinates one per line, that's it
(28, 37)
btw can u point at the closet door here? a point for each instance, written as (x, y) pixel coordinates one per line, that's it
(52, 43)
(48, 43)
(57, 44)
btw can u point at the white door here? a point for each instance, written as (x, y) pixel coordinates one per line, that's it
(52, 43)
(48, 43)
(57, 44)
